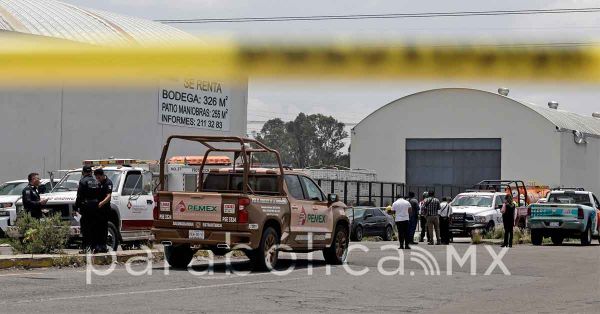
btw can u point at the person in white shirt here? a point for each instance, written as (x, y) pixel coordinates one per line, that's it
(402, 208)
(445, 214)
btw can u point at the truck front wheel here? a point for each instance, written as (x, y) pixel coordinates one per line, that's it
(536, 237)
(179, 257)
(112, 239)
(338, 251)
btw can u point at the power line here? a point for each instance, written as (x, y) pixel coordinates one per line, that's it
(379, 16)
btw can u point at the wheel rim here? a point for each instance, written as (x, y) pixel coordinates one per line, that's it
(359, 233)
(341, 245)
(270, 249)
(389, 233)
(589, 235)
(110, 241)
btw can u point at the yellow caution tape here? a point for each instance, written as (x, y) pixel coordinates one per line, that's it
(58, 62)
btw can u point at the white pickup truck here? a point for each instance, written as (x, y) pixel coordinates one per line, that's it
(132, 204)
(10, 194)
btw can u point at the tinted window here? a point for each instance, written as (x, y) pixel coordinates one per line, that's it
(568, 198)
(313, 191)
(379, 213)
(266, 184)
(294, 187)
(215, 182)
(596, 200)
(133, 184)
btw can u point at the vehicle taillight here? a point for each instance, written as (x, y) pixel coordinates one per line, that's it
(242, 211)
(156, 208)
(580, 213)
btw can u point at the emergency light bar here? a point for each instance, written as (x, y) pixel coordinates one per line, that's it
(117, 162)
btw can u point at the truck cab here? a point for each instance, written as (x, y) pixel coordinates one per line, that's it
(260, 211)
(566, 213)
(132, 203)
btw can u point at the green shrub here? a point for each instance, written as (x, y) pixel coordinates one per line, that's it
(44, 236)
(521, 236)
(476, 237)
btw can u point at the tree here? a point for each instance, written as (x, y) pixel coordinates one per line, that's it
(308, 140)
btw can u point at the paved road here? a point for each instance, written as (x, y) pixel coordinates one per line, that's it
(543, 279)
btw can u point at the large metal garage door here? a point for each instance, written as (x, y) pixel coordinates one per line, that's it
(462, 162)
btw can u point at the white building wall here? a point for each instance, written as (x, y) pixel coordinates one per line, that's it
(580, 165)
(96, 123)
(530, 143)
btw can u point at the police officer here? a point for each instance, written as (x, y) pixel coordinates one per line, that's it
(31, 196)
(104, 208)
(88, 199)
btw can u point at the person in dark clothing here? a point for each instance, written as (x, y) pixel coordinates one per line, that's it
(508, 219)
(423, 217)
(87, 201)
(445, 213)
(101, 224)
(414, 217)
(31, 196)
(432, 210)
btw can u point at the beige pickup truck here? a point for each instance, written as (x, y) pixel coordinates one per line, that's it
(260, 211)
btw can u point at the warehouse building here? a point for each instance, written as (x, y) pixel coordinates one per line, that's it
(50, 128)
(457, 136)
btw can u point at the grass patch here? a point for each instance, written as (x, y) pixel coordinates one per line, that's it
(476, 237)
(521, 236)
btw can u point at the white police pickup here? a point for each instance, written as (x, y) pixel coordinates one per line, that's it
(476, 210)
(132, 204)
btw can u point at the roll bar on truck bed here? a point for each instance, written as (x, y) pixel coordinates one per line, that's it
(245, 151)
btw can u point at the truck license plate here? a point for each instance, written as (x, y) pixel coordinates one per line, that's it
(554, 224)
(196, 234)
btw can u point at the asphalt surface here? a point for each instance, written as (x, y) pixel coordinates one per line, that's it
(542, 279)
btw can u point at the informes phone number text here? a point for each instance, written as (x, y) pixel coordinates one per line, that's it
(189, 109)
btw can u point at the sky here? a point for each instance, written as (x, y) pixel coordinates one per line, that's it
(352, 101)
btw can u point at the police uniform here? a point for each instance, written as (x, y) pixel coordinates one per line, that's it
(88, 197)
(31, 201)
(100, 233)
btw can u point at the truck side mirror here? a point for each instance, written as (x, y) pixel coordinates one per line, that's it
(332, 198)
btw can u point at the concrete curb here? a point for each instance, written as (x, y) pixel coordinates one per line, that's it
(63, 260)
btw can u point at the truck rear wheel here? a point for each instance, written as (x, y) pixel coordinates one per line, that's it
(536, 237)
(265, 257)
(179, 257)
(586, 236)
(338, 251)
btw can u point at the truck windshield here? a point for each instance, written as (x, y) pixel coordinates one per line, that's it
(565, 198)
(472, 200)
(12, 188)
(70, 182)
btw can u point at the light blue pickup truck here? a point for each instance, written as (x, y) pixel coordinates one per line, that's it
(567, 213)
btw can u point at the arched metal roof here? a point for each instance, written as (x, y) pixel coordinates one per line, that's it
(61, 20)
(563, 120)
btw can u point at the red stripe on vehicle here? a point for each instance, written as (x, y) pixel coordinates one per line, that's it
(137, 224)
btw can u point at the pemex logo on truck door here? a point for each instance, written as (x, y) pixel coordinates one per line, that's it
(194, 208)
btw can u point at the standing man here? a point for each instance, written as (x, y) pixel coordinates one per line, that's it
(445, 213)
(423, 217)
(87, 201)
(432, 208)
(106, 187)
(402, 209)
(414, 217)
(31, 196)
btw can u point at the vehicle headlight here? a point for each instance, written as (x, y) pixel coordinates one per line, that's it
(6, 205)
(481, 219)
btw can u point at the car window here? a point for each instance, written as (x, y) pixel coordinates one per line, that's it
(12, 188)
(570, 198)
(500, 200)
(597, 203)
(294, 186)
(133, 184)
(378, 213)
(369, 211)
(313, 191)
